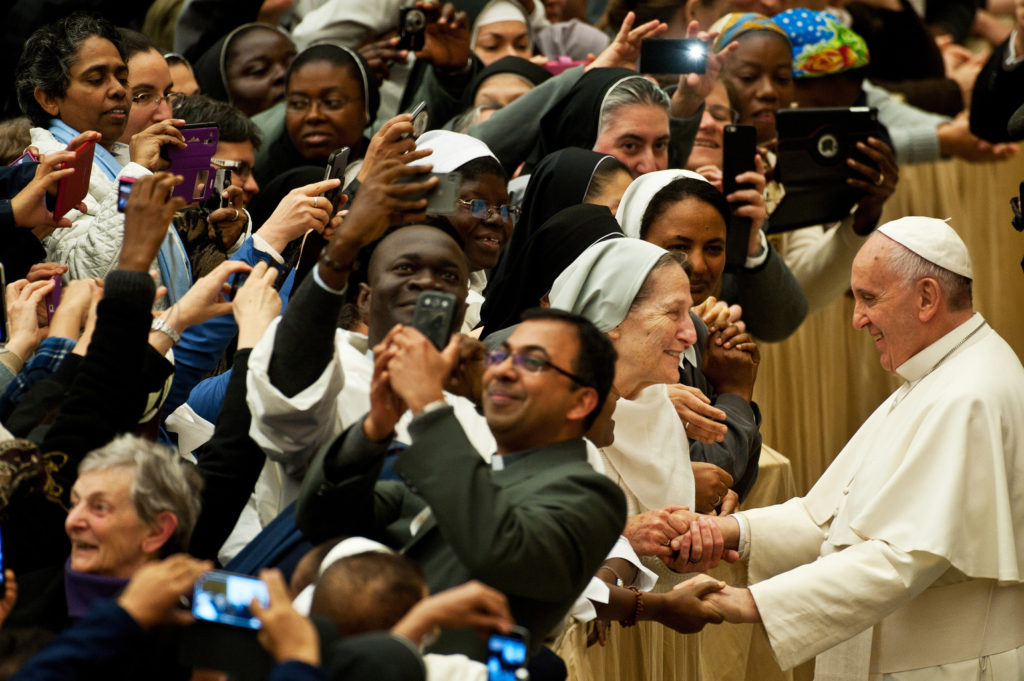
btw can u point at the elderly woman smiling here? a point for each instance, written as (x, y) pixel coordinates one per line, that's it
(639, 295)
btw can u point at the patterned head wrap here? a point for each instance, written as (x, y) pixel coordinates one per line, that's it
(733, 25)
(821, 45)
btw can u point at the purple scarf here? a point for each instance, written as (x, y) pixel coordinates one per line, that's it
(83, 589)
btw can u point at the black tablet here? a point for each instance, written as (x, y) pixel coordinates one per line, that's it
(813, 146)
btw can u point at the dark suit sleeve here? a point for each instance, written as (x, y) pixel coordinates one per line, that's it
(230, 463)
(340, 494)
(573, 513)
(378, 656)
(739, 453)
(774, 305)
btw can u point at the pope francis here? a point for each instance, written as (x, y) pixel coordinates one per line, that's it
(905, 561)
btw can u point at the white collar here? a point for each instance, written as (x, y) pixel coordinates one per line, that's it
(918, 366)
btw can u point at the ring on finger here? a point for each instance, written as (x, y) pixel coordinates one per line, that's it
(236, 215)
(316, 199)
(686, 425)
(717, 501)
(880, 180)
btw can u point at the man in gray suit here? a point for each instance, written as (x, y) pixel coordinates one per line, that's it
(534, 524)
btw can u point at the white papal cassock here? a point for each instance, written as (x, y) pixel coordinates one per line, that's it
(909, 551)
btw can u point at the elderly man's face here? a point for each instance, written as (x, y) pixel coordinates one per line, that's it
(107, 536)
(885, 305)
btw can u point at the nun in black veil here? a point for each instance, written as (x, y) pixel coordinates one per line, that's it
(565, 178)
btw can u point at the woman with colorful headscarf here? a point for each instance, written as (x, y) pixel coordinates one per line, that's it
(760, 70)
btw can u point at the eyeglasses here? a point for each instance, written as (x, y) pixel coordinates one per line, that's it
(301, 104)
(148, 99)
(723, 114)
(478, 208)
(240, 168)
(529, 363)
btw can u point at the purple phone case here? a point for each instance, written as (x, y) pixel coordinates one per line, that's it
(193, 162)
(54, 296)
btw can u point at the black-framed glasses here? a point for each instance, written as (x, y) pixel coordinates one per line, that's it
(173, 99)
(478, 208)
(724, 114)
(300, 104)
(240, 168)
(529, 363)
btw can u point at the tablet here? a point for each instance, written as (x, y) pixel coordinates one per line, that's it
(813, 146)
(193, 161)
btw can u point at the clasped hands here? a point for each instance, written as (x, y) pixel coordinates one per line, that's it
(683, 540)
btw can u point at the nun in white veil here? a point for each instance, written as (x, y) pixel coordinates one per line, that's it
(638, 294)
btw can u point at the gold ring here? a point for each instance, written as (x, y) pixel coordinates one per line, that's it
(717, 501)
(880, 180)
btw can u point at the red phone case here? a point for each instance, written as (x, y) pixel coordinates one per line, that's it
(73, 189)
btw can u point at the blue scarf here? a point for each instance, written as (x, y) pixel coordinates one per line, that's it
(64, 133)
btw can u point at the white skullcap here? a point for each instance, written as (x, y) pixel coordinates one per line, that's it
(451, 150)
(639, 194)
(343, 549)
(932, 239)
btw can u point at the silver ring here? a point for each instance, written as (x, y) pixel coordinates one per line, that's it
(236, 215)
(717, 501)
(316, 199)
(686, 425)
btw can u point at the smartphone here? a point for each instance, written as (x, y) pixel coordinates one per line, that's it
(739, 147)
(54, 296)
(72, 189)
(673, 55)
(27, 157)
(420, 119)
(221, 181)
(434, 316)
(193, 161)
(440, 200)
(225, 597)
(236, 283)
(506, 654)
(412, 29)
(124, 190)
(5, 332)
(336, 164)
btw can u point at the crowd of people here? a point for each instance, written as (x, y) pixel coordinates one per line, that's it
(491, 375)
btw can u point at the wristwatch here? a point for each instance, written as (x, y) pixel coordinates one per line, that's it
(163, 327)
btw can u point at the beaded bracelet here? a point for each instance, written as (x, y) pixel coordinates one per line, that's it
(637, 610)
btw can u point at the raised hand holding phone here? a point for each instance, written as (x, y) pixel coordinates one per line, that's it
(147, 216)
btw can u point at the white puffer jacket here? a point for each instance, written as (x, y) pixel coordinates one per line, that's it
(92, 245)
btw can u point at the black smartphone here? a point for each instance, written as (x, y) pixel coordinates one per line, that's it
(506, 654)
(221, 181)
(226, 597)
(412, 29)
(673, 55)
(440, 200)
(739, 146)
(434, 316)
(336, 164)
(124, 190)
(420, 120)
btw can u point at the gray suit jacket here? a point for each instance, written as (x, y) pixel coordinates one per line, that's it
(536, 530)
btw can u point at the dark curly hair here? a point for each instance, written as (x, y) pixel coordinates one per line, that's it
(48, 55)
